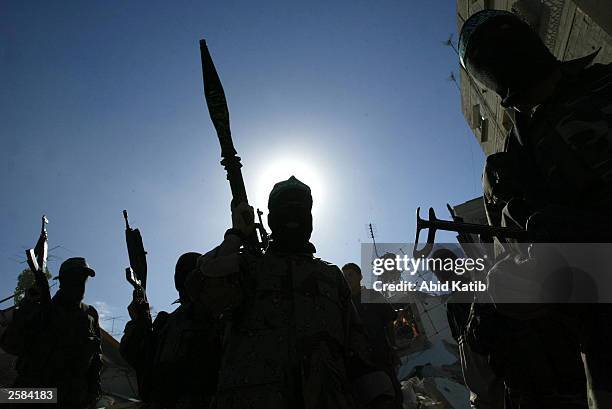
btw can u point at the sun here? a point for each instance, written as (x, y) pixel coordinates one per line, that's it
(307, 171)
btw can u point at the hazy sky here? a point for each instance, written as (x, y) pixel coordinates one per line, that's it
(101, 109)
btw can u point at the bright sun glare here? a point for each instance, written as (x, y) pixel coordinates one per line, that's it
(274, 172)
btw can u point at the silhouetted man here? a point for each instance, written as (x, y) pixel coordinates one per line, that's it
(58, 342)
(176, 357)
(486, 388)
(291, 337)
(377, 316)
(554, 178)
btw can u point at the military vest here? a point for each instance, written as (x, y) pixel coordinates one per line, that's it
(287, 340)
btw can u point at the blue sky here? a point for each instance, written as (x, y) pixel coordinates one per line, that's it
(101, 109)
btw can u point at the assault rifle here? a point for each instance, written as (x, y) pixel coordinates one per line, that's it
(219, 114)
(136, 273)
(37, 261)
(434, 224)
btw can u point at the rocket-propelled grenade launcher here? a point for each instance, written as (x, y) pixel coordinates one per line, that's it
(219, 114)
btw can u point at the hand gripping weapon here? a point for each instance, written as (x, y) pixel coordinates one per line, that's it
(219, 114)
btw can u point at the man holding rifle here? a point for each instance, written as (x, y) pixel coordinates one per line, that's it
(58, 341)
(292, 336)
(554, 179)
(176, 357)
(291, 333)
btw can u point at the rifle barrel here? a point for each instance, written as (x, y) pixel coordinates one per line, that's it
(434, 224)
(473, 228)
(125, 217)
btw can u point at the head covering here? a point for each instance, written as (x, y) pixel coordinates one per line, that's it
(352, 266)
(290, 192)
(290, 217)
(472, 24)
(503, 53)
(73, 266)
(184, 265)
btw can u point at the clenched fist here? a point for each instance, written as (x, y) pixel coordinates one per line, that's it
(243, 219)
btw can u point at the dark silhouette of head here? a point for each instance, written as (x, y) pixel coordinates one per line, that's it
(72, 277)
(185, 264)
(353, 276)
(504, 53)
(290, 214)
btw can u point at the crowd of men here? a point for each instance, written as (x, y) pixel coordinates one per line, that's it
(284, 329)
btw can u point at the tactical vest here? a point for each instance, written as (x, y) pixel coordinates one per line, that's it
(287, 341)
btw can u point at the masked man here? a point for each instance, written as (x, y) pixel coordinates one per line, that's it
(554, 178)
(292, 338)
